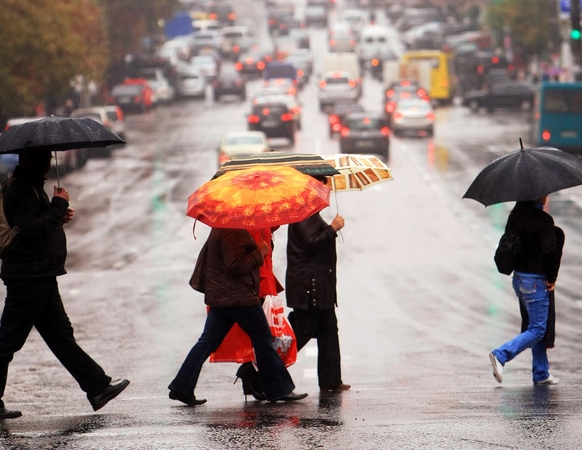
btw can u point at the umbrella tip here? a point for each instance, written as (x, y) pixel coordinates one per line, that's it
(521, 143)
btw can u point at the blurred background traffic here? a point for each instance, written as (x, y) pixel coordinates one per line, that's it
(107, 60)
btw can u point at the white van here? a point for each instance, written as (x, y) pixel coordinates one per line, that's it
(374, 40)
(205, 26)
(343, 62)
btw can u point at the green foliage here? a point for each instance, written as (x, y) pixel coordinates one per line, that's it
(44, 45)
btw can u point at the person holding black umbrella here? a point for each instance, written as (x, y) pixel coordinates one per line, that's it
(534, 281)
(30, 267)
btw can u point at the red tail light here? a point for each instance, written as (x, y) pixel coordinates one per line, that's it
(266, 111)
(213, 16)
(295, 82)
(271, 22)
(430, 116)
(397, 116)
(336, 127)
(331, 43)
(375, 62)
(222, 158)
(495, 60)
(260, 65)
(300, 73)
(238, 66)
(296, 110)
(352, 83)
(254, 119)
(345, 131)
(322, 84)
(421, 93)
(292, 91)
(546, 135)
(390, 93)
(231, 16)
(390, 107)
(352, 43)
(287, 117)
(333, 119)
(236, 49)
(385, 131)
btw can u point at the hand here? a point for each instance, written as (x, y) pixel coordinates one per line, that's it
(263, 247)
(61, 192)
(550, 286)
(338, 223)
(68, 215)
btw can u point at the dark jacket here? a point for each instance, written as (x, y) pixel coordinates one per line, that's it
(40, 249)
(310, 280)
(232, 269)
(540, 252)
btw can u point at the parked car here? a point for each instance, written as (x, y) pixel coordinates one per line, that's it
(190, 82)
(365, 132)
(502, 95)
(335, 87)
(338, 113)
(111, 117)
(413, 115)
(274, 119)
(163, 91)
(240, 144)
(229, 83)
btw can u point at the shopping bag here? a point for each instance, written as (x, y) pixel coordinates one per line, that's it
(284, 340)
(236, 347)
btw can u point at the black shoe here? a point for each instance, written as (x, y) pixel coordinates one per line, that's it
(251, 382)
(190, 400)
(9, 414)
(110, 392)
(290, 397)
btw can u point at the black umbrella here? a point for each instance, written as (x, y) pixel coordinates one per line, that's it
(57, 133)
(309, 164)
(526, 174)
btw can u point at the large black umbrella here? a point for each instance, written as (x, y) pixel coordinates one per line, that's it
(309, 164)
(57, 133)
(526, 174)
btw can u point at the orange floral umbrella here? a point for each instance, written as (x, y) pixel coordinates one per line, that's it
(258, 197)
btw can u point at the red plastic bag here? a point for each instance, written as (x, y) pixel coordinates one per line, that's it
(236, 346)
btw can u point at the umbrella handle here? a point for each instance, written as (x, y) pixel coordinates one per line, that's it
(339, 232)
(57, 169)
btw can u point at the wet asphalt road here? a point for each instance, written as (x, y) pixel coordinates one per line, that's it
(420, 303)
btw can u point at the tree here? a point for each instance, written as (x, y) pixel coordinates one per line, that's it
(44, 45)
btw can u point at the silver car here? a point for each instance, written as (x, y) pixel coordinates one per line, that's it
(413, 115)
(337, 86)
(190, 82)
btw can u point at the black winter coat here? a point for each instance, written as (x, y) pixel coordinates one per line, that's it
(310, 280)
(232, 269)
(541, 253)
(40, 249)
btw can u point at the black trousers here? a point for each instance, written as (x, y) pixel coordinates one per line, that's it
(322, 325)
(37, 303)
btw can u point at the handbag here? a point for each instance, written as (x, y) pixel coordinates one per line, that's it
(284, 340)
(198, 278)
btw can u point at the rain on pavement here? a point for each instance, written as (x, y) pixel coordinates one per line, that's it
(420, 302)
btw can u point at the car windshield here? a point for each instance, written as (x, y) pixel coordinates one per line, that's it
(414, 106)
(127, 89)
(364, 123)
(243, 140)
(337, 80)
(233, 35)
(269, 108)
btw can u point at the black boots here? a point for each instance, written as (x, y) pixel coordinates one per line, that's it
(250, 381)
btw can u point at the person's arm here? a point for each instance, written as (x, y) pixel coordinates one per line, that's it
(23, 209)
(236, 255)
(551, 253)
(314, 232)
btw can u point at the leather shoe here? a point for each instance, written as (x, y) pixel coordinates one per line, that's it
(9, 414)
(190, 400)
(290, 397)
(335, 388)
(110, 392)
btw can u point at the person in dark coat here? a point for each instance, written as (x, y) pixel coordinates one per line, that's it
(310, 286)
(232, 294)
(534, 280)
(30, 268)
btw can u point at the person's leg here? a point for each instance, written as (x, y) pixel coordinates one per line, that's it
(275, 378)
(217, 326)
(328, 350)
(540, 363)
(305, 323)
(21, 309)
(55, 328)
(533, 293)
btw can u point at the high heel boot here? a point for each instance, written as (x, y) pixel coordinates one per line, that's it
(251, 382)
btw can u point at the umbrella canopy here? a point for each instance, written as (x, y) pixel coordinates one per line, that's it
(357, 172)
(526, 174)
(309, 164)
(258, 197)
(57, 133)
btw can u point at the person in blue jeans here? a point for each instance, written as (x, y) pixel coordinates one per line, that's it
(533, 282)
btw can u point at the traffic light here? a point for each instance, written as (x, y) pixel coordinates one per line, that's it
(575, 35)
(575, 41)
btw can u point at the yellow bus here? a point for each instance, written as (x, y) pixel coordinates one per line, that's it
(442, 78)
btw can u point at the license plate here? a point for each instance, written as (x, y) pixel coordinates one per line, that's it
(365, 144)
(269, 123)
(124, 99)
(569, 134)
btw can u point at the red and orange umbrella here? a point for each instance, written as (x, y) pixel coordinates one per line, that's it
(258, 197)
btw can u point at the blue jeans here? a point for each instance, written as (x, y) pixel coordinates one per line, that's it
(533, 294)
(274, 376)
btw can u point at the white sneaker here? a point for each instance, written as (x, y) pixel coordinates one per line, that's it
(550, 380)
(497, 368)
